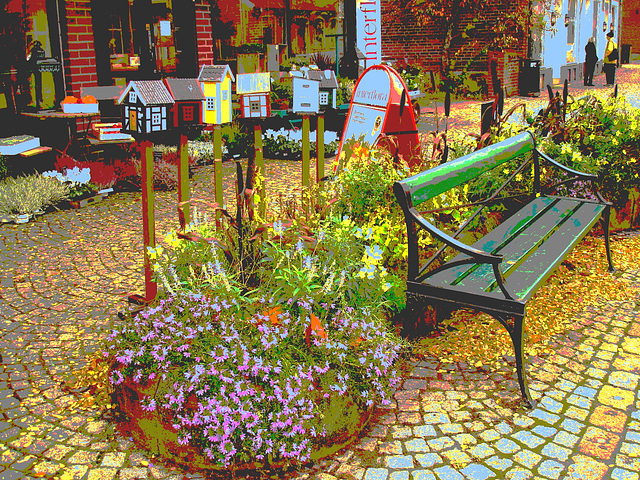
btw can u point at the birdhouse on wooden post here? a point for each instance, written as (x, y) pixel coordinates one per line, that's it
(189, 99)
(253, 90)
(328, 87)
(145, 107)
(215, 82)
(306, 95)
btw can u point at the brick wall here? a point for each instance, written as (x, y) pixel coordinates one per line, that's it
(203, 33)
(507, 70)
(79, 53)
(630, 25)
(406, 40)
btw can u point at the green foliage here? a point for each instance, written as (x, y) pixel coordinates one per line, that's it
(252, 48)
(31, 193)
(323, 61)
(345, 91)
(600, 136)
(281, 94)
(3, 167)
(364, 180)
(237, 142)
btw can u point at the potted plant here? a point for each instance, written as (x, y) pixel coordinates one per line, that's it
(22, 197)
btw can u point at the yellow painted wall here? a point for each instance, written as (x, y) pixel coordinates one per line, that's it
(226, 116)
(209, 91)
(223, 113)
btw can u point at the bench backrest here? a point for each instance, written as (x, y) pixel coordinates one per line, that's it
(426, 185)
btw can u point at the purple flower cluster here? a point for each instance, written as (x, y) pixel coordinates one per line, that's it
(242, 382)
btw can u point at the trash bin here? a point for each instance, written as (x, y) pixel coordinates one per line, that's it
(528, 76)
(625, 53)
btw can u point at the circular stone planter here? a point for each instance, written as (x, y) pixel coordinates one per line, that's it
(150, 430)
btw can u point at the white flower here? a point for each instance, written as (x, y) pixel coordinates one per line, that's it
(75, 174)
(54, 174)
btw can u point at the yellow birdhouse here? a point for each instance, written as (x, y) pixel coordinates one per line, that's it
(215, 81)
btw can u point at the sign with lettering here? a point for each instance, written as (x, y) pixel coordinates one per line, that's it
(380, 105)
(368, 28)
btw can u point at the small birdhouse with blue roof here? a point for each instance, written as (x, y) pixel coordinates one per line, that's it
(145, 107)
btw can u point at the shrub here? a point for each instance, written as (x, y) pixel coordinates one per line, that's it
(31, 193)
(364, 180)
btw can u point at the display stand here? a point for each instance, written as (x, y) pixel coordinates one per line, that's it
(381, 105)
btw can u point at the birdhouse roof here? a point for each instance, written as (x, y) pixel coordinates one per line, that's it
(184, 89)
(253, 83)
(214, 73)
(321, 76)
(150, 92)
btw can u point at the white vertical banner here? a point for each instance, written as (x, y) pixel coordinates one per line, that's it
(369, 27)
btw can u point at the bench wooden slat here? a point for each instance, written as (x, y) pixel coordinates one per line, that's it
(516, 239)
(538, 267)
(525, 240)
(493, 240)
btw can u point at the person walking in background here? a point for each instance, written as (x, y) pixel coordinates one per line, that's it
(610, 59)
(590, 60)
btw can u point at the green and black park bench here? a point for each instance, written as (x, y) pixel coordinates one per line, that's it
(499, 273)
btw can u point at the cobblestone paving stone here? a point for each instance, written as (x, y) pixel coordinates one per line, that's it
(63, 278)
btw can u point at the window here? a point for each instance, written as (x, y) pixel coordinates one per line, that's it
(156, 118)
(211, 103)
(224, 95)
(254, 106)
(188, 113)
(324, 98)
(133, 98)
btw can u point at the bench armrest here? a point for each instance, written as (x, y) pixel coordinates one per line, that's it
(583, 175)
(478, 255)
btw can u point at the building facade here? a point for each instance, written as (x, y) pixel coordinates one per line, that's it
(630, 25)
(572, 23)
(107, 42)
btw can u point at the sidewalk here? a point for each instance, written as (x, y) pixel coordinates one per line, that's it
(63, 277)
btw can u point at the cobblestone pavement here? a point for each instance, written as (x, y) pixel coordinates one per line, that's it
(63, 278)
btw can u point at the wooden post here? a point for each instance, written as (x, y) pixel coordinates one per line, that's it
(305, 151)
(259, 156)
(320, 149)
(148, 218)
(183, 177)
(217, 167)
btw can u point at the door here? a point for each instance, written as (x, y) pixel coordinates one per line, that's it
(133, 119)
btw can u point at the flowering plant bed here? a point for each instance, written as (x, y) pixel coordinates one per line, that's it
(250, 400)
(275, 355)
(272, 387)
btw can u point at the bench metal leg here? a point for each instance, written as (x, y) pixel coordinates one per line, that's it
(515, 327)
(605, 227)
(420, 316)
